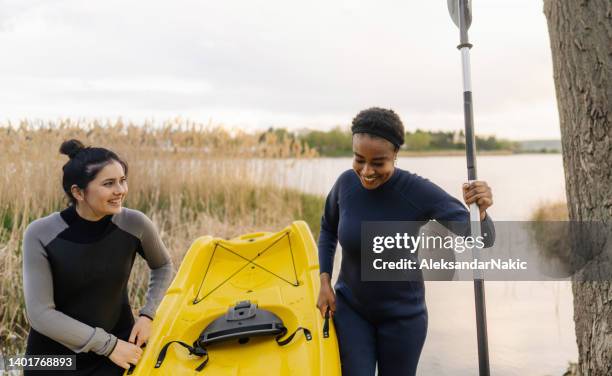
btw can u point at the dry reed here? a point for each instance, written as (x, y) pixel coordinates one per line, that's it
(191, 179)
(550, 211)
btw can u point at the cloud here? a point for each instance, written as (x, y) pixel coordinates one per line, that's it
(13, 10)
(262, 62)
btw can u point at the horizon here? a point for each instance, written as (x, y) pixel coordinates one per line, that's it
(35, 123)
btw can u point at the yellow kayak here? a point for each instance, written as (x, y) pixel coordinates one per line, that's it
(238, 301)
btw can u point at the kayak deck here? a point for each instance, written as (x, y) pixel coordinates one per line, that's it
(277, 271)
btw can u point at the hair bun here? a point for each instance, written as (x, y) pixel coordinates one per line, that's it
(71, 147)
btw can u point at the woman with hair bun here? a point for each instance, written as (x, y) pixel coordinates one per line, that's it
(382, 324)
(77, 263)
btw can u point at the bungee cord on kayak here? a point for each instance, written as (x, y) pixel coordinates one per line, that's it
(249, 262)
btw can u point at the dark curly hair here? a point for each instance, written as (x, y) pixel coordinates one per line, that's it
(380, 122)
(84, 164)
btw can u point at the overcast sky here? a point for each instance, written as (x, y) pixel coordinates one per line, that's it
(260, 63)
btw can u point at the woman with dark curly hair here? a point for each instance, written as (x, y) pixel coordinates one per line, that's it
(381, 324)
(76, 266)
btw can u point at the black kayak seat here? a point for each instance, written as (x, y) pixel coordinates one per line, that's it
(243, 320)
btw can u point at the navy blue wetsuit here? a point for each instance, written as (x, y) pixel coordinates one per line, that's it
(380, 322)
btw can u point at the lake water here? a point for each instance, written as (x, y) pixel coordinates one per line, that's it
(530, 325)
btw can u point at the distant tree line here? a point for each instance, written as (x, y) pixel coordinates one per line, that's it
(338, 142)
(420, 140)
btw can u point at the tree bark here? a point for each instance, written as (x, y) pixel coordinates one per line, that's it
(581, 43)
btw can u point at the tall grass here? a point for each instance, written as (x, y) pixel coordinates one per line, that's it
(191, 179)
(550, 211)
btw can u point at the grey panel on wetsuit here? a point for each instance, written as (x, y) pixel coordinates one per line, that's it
(154, 252)
(38, 281)
(38, 292)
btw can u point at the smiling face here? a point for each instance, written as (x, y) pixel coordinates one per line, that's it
(104, 195)
(373, 160)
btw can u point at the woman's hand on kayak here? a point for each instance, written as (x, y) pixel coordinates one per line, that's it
(327, 297)
(480, 193)
(125, 353)
(141, 331)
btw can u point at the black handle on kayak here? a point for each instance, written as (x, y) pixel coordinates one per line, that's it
(131, 369)
(133, 366)
(288, 339)
(326, 324)
(193, 350)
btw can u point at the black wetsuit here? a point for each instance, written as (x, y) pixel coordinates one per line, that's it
(76, 274)
(382, 323)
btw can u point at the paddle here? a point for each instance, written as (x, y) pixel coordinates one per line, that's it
(461, 13)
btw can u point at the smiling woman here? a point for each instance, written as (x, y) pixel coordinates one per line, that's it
(77, 263)
(95, 180)
(378, 135)
(381, 324)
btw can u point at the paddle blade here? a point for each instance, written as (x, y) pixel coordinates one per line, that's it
(453, 10)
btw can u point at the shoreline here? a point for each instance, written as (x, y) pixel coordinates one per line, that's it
(453, 153)
(448, 153)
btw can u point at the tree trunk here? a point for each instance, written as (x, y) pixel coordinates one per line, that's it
(581, 42)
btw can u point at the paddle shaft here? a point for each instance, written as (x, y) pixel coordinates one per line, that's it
(470, 152)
